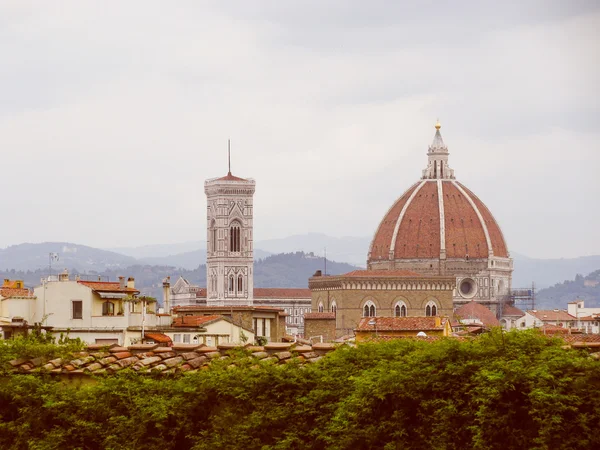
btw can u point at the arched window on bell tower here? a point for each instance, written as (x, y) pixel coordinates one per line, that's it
(235, 237)
(240, 286)
(213, 236)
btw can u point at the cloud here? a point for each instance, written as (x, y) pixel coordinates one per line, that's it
(111, 119)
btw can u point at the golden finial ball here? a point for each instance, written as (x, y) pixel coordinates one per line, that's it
(438, 125)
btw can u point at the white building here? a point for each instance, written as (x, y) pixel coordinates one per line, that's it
(95, 311)
(588, 319)
(536, 318)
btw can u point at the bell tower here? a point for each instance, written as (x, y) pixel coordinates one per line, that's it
(229, 249)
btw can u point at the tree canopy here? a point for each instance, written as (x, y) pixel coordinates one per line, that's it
(517, 390)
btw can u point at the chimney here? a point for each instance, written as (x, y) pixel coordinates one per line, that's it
(121, 282)
(318, 273)
(130, 283)
(167, 295)
(64, 276)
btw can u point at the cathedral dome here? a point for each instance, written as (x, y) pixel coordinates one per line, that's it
(437, 218)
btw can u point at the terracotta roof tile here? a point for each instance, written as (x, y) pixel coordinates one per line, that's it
(158, 337)
(230, 177)
(550, 314)
(15, 292)
(401, 323)
(509, 310)
(195, 321)
(474, 310)
(107, 286)
(419, 231)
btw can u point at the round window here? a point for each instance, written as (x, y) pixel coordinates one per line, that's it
(467, 288)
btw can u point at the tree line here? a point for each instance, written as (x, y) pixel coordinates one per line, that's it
(518, 390)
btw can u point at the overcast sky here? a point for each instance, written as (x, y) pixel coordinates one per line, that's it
(112, 115)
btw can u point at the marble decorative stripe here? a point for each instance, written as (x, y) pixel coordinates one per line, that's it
(483, 225)
(401, 216)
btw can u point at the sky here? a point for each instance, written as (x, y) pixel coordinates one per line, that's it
(112, 115)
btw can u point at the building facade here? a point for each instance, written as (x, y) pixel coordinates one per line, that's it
(229, 250)
(439, 227)
(380, 293)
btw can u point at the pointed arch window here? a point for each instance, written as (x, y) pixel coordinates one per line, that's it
(400, 309)
(213, 236)
(369, 310)
(240, 286)
(334, 307)
(234, 237)
(231, 283)
(431, 309)
(320, 307)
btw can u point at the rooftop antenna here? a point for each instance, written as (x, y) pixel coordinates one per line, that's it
(229, 155)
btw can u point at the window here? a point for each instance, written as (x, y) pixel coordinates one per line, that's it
(320, 307)
(400, 309)
(77, 309)
(231, 283)
(333, 307)
(108, 309)
(234, 237)
(240, 284)
(431, 309)
(177, 338)
(186, 338)
(369, 309)
(213, 236)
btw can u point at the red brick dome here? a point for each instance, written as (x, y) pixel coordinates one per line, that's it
(437, 217)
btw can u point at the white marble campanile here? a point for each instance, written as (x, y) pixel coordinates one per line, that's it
(229, 250)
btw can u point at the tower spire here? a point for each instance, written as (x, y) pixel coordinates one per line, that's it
(437, 155)
(229, 156)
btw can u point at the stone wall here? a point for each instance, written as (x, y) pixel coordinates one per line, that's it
(320, 327)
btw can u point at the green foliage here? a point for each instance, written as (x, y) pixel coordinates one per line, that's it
(514, 391)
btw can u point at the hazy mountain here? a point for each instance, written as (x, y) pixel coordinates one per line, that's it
(160, 250)
(352, 250)
(284, 270)
(72, 256)
(585, 288)
(547, 272)
(190, 260)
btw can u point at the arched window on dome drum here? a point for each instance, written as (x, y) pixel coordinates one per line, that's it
(240, 284)
(234, 237)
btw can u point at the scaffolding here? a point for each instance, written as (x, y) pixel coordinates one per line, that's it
(524, 298)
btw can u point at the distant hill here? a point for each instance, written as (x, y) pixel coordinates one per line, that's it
(585, 288)
(352, 250)
(547, 272)
(160, 250)
(72, 256)
(190, 260)
(284, 270)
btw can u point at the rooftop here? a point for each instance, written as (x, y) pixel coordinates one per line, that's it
(318, 315)
(550, 314)
(474, 310)
(107, 286)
